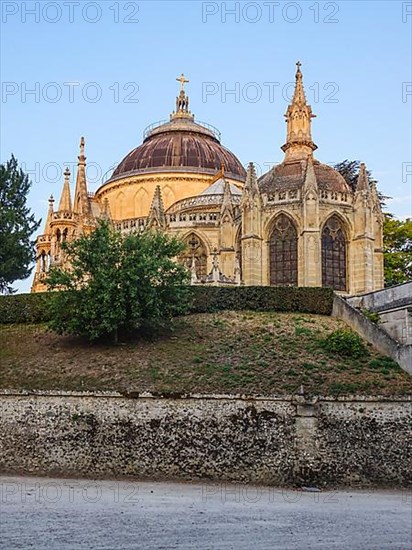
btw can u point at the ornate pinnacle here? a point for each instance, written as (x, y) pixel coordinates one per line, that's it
(298, 116)
(81, 156)
(363, 181)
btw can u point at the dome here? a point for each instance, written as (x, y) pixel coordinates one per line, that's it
(291, 175)
(211, 196)
(181, 145)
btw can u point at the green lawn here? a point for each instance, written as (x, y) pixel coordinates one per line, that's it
(229, 352)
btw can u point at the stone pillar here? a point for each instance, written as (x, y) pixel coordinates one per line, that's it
(252, 260)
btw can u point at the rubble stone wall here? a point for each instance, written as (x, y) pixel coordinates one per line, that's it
(280, 441)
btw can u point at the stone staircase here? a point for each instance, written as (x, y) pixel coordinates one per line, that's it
(392, 335)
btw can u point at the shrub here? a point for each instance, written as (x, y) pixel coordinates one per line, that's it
(383, 363)
(373, 316)
(25, 308)
(345, 342)
(117, 284)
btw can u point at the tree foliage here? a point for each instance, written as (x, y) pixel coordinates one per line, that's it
(397, 241)
(349, 169)
(117, 284)
(397, 234)
(17, 224)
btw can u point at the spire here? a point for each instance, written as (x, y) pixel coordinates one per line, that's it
(65, 199)
(363, 180)
(182, 101)
(251, 185)
(81, 201)
(157, 211)
(49, 216)
(298, 116)
(227, 199)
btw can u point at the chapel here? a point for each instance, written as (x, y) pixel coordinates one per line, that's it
(299, 224)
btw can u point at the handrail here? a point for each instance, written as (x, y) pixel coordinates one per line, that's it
(149, 129)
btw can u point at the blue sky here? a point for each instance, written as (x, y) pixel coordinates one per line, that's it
(106, 70)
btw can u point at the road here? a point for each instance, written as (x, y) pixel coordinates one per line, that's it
(63, 514)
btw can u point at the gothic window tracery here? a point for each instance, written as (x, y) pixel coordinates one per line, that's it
(283, 253)
(334, 251)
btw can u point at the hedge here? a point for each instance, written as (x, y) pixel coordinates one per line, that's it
(25, 308)
(33, 308)
(262, 298)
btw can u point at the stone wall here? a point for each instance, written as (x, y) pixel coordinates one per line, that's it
(373, 333)
(387, 298)
(279, 441)
(394, 306)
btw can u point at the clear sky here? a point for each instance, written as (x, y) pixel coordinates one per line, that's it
(106, 70)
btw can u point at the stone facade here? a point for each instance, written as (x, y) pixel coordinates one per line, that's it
(279, 441)
(299, 224)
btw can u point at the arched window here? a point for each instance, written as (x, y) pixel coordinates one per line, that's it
(283, 253)
(334, 254)
(195, 250)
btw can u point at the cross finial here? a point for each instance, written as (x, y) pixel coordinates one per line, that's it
(298, 65)
(182, 80)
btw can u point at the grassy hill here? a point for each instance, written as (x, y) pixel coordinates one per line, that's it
(228, 352)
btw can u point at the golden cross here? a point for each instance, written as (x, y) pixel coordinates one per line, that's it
(182, 81)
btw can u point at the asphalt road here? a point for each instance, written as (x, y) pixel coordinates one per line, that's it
(45, 513)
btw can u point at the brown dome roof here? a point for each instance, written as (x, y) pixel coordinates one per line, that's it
(291, 175)
(181, 145)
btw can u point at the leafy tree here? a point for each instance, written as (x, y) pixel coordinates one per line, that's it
(17, 224)
(397, 242)
(117, 284)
